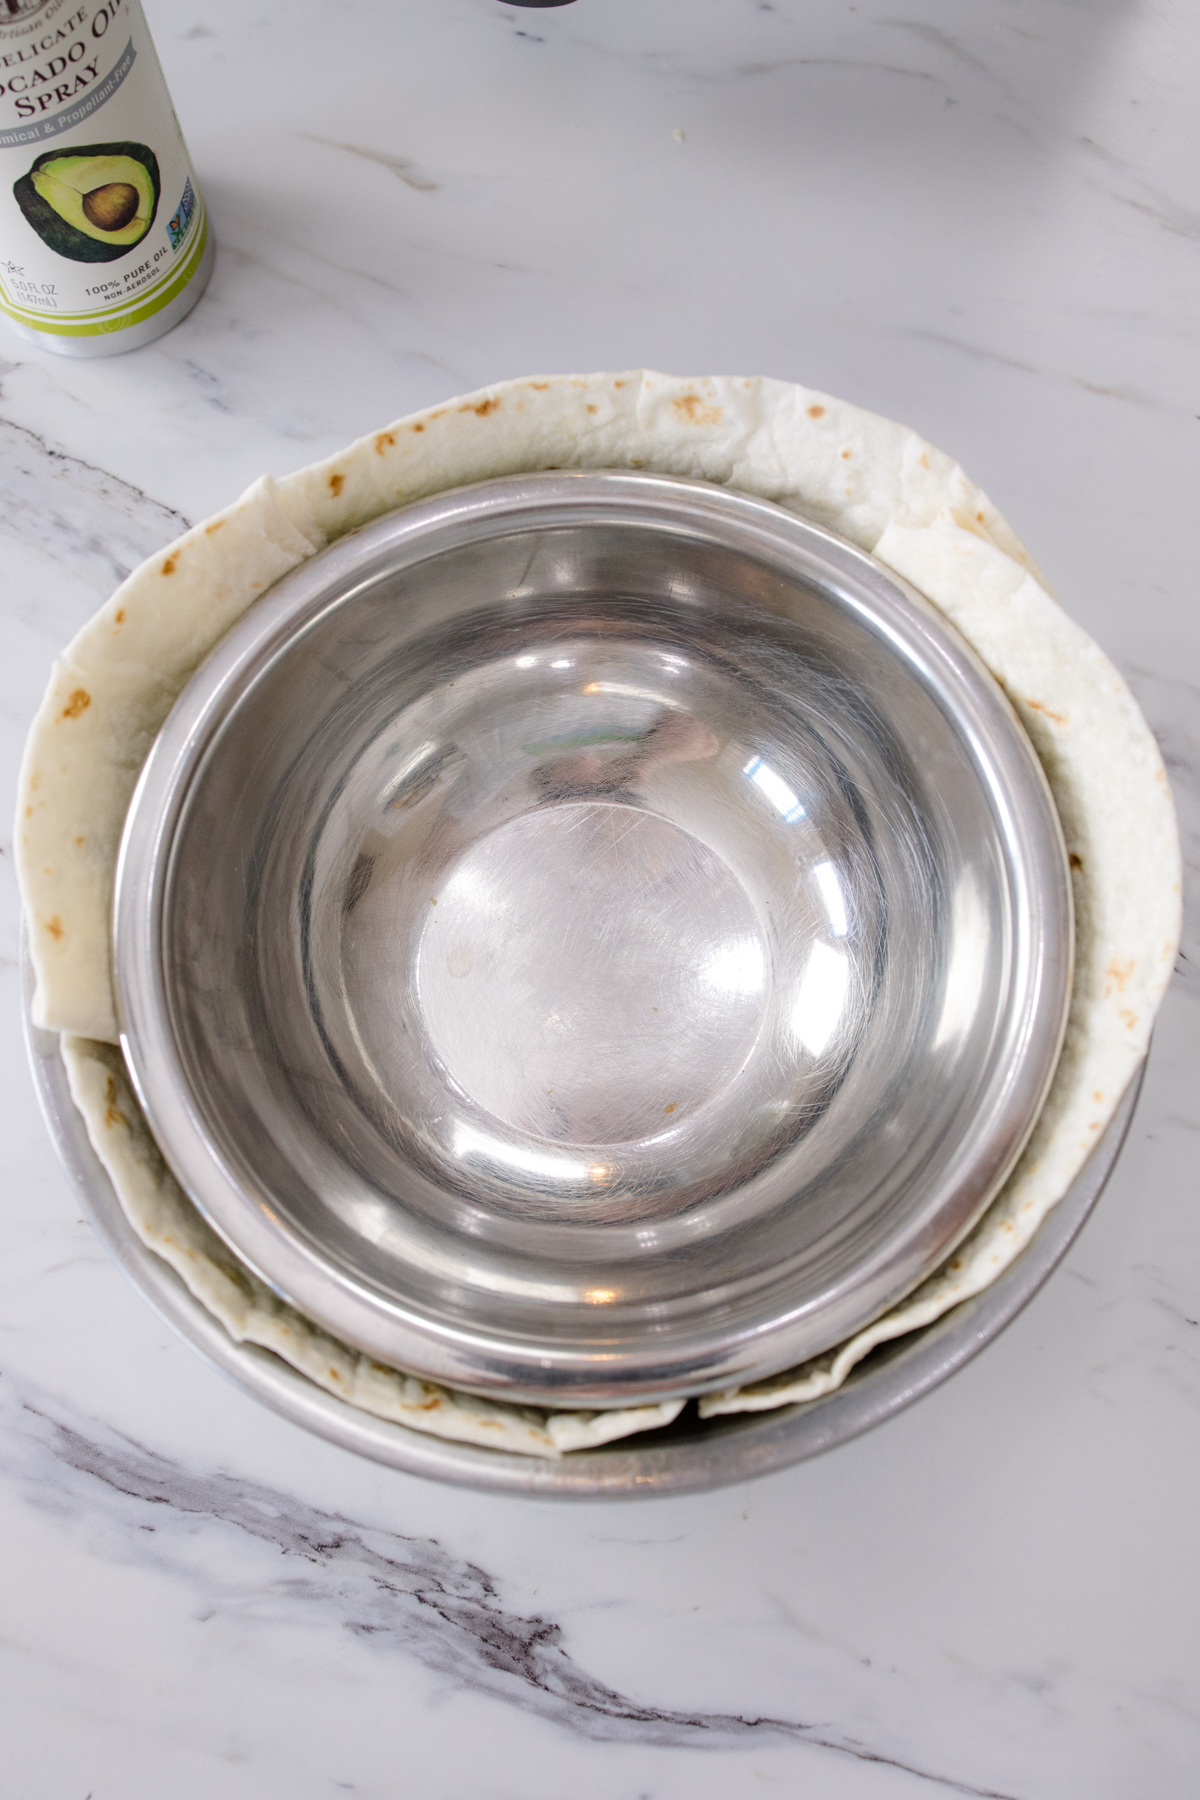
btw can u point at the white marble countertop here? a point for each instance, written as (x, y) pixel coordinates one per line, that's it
(980, 217)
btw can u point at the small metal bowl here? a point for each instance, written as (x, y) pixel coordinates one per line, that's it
(588, 938)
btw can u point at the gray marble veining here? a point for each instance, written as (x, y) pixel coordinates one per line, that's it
(407, 1597)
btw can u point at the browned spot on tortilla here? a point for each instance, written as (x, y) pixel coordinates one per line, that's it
(1118, 974)
(1128, 1018)
(110, 1091)
(636, 462)
(1076, 862)
(78, 842)
(592, 407)
(1097, 1095)
(924, 460)
(168, 567)
(119, 617)
(29, 812)
(334, 1376)
(432, 1404)
(816, 412)
(217, 525)
(616, 384)
(696, 411)
(432, 901)
(1059, 718)
(672, 1106)
(382, 440)
(541, 386)
(114, 1116)
(846, 454)
(979, 516)
(78, 703)
(336, 484)
(483, 409)
(417, 427)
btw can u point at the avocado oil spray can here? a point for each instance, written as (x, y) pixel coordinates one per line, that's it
(104, 242)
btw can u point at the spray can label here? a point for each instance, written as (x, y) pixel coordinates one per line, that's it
(101, 219)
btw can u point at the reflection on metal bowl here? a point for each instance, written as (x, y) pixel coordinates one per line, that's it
(592, 937)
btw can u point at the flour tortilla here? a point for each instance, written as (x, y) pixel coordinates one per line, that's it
(875, 482)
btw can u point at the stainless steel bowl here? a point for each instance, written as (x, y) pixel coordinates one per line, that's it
(592, 937)
(691, 1456)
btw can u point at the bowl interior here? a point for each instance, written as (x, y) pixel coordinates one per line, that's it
(604, 952)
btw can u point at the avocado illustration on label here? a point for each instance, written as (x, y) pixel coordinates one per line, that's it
(94, 202)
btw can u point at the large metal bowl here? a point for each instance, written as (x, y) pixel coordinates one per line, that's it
(690, 1457)
(588, 938)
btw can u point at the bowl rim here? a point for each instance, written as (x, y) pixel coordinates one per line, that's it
(701, 1456)
(456, 1352)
